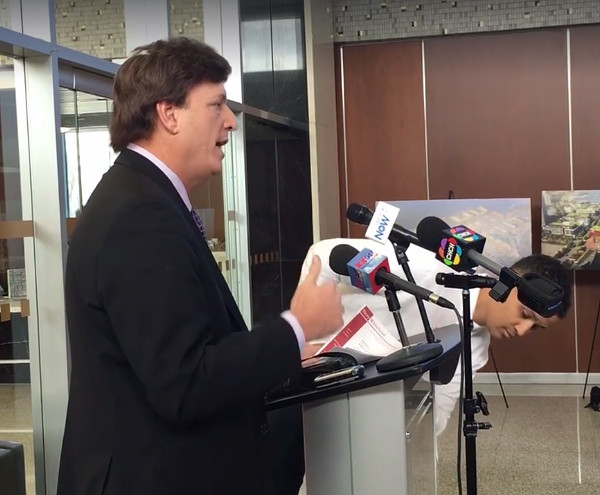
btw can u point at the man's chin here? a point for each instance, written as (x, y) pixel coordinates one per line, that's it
(499, 335)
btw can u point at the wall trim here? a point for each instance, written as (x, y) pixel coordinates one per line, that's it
(538, 378)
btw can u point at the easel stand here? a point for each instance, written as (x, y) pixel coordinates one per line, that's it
(587, 373)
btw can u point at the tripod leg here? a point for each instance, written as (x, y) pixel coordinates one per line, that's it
(587, 373)
(498, 376)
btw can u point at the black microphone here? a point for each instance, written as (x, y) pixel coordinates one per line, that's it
(342, 257)
(535, 291)
(360, 214)
(458, 248)
(464, 281)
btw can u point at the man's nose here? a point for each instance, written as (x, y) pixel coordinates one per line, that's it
(524, 327)
(230, 120)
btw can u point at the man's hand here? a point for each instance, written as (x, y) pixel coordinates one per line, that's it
(318, 308)
(310, 350)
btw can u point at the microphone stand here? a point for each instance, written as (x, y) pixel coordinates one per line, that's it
(410, 354)
(400, 250)
(471, 406)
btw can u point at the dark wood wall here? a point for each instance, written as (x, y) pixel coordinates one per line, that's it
(585, 83)
(492, 122)
(384, 135)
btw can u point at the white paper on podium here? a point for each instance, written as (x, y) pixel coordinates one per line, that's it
(364, 333)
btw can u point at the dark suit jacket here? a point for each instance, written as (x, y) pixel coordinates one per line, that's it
(167, 384)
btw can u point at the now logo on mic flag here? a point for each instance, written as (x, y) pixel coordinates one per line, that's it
(382, 222)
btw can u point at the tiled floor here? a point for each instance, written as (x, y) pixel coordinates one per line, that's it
(545, 443)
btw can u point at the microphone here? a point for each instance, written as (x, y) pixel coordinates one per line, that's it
(381, 227)
(369, 271)
(362, 215)
(460, 248)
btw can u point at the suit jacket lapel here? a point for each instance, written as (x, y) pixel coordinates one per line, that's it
(140, 164)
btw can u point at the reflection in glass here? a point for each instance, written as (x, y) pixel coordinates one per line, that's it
(84, 129)
(14, 341)
(11, 207)
(273, 58)
(208, 201)
(10, 177)
(279, 213)
(285, 40)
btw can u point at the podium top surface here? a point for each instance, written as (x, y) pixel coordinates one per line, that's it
(449, 337)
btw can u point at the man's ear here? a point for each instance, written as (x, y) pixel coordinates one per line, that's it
(167, 117)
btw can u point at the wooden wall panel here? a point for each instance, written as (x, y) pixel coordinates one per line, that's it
(498, 126)
(384, 125)
(497, 116)
(585, 83)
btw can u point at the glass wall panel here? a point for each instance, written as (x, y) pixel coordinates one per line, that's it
(16, 424)
(95, 27)
(279, 213)
(84, 130)
(10, 15)
(273, 56)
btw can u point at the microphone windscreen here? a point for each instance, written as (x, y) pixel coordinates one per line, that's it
(359, 214)
(339, 257)
(430, 232)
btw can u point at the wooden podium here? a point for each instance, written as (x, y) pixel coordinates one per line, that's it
(375, 435)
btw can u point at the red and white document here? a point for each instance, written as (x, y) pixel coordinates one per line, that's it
(364, 333)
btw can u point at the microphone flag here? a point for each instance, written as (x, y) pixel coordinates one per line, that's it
(382, 222)
(455, 244)
(363, 267)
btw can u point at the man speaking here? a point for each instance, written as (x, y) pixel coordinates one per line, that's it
(167, 384)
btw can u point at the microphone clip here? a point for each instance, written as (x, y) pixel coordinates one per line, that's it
(457, 281)
(507, 280)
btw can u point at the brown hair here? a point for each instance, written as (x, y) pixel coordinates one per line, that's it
(165, 70)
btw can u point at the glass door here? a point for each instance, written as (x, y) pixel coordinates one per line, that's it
(17, 283)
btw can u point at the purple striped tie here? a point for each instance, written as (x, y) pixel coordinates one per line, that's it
(199, 223)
